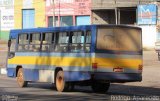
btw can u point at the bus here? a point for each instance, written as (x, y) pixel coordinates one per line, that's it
(87, 55)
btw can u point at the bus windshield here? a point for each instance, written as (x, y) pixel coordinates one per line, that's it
(119, 39)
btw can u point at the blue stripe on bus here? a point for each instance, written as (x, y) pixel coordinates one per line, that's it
(34, 75)
(11, 72)
(53, 54)
(77, 76)
(119, 52)
(97, 55)
(45, 67)
(93, 38)
(31, 74)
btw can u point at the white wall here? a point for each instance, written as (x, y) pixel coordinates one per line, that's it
(148, 36)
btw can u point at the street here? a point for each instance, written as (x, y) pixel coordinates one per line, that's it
(149, 87)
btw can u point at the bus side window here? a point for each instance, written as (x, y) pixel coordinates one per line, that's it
(23, 40)
(88, 41)
(77, 41)
(35, 41)
(47, 41)
(62, 39)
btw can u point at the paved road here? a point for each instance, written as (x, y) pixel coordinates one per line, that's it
(148, 89)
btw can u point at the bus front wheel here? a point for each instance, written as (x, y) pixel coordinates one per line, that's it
(20, 78)
(99, 87)
(61, 85)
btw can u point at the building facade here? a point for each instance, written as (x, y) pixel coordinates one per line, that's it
(68, 12)
(49, 13)
(29, 14)
(6, 18)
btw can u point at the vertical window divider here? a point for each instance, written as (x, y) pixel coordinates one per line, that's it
(84, 43)
(68, 44)
(28, 42)
(41, 39)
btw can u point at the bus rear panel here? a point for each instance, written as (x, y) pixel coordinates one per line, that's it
(118, 54)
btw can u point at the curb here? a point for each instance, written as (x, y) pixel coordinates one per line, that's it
(3, 71)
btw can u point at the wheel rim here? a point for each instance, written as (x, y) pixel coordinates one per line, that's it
(20, 77)
(60, 82)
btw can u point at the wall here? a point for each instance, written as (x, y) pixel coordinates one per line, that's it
(18, 5)
(67, 8)
(103, 17)
(6, 18)
(108, 4)
(149, 36)
(37, 5)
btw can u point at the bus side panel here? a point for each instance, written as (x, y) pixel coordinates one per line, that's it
(76, 76)
(76, 66)
(11, 72)
(93, 38)
(31, 74)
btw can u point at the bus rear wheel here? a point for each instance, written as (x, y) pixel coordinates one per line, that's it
(61, 85)
(99, 87)
(20, 78)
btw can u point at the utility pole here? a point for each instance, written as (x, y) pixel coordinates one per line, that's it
(54, 21)
(116, 16)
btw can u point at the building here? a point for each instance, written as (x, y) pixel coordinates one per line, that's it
(49, 13)
(6, 18)
(68, 12)
(29, 14)
(142, 13)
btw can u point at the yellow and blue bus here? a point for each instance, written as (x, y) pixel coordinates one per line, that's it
(95, 55)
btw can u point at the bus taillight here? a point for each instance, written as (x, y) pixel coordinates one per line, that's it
(94, 65)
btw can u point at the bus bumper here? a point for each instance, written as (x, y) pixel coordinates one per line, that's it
(118, 77)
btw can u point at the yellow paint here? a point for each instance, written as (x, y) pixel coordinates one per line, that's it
(57, 61)
(18, 5)
(38, 6)
(115, 62)
(75, 61)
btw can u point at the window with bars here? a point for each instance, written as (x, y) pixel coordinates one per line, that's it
(47, 42)
(23, 40)
(35, 41)
(77, 41)
(62, 39)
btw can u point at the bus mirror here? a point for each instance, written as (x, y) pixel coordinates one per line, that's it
(11, 55)
(9, 43)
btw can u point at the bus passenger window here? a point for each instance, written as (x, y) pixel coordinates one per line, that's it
(47, 41)
(77, 41)
(62, 42)
(23, 42)
(35, 40)
(88, 41)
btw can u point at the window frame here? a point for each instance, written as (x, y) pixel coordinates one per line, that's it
(52, 43)
(57, 47)
(34, 44)
(22, 44)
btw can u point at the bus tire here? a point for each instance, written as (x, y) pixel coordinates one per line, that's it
(61, 85)
(20, 78)
(99, 87)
